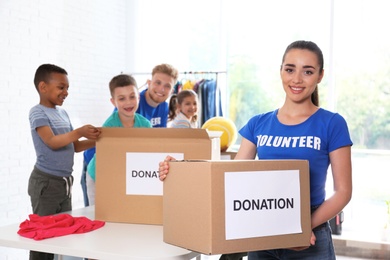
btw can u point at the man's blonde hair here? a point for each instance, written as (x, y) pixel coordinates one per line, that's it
(166, 69)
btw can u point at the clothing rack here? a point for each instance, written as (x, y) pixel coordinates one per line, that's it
(206, 73)
(185, 72)
(202, 72)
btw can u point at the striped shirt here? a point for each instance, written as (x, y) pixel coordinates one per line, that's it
(181, 121)
(56, 162)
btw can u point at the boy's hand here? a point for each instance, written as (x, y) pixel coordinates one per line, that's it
(90, 132)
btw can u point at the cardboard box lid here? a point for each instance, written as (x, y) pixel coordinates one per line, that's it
(151, 133)
(194, 206)
(167, 140)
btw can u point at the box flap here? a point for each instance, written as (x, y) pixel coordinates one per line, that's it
(174, 133)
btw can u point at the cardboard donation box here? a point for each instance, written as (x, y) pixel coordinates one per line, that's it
(220, 207)
(128, 188)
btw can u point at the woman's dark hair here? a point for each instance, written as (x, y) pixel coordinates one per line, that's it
(310, 46)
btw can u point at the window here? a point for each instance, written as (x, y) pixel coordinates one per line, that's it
(361, 57)
(247, 39)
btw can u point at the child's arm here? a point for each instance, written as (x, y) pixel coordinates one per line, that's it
(83, 145)
(58, 141)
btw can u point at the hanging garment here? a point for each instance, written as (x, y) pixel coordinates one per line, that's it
(197, 84)
(211, 100)
(177, 88)
(188, 85)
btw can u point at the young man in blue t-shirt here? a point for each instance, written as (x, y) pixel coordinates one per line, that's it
(153, 103)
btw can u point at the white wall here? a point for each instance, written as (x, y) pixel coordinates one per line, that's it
(88, 39)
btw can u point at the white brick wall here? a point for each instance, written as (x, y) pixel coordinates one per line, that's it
(88, 39)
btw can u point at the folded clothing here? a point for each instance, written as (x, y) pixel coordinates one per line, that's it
(41, 227)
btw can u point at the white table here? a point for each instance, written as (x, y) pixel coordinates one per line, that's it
(112, 241)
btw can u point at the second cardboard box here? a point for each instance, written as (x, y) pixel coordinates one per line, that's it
(219, 207)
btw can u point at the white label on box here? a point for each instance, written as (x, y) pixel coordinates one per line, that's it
(142, 173)
(262, 203)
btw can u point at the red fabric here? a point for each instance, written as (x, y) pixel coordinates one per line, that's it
(41, 227)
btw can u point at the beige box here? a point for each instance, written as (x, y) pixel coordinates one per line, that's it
(218, 207)
(128, 189)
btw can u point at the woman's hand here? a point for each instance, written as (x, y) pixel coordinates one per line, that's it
(312, 243)
(164, 167)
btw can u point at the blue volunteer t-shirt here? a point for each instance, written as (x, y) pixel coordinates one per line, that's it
(312, 140)
(158, 116)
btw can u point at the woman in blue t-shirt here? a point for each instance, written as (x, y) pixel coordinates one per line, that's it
(300, 129)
